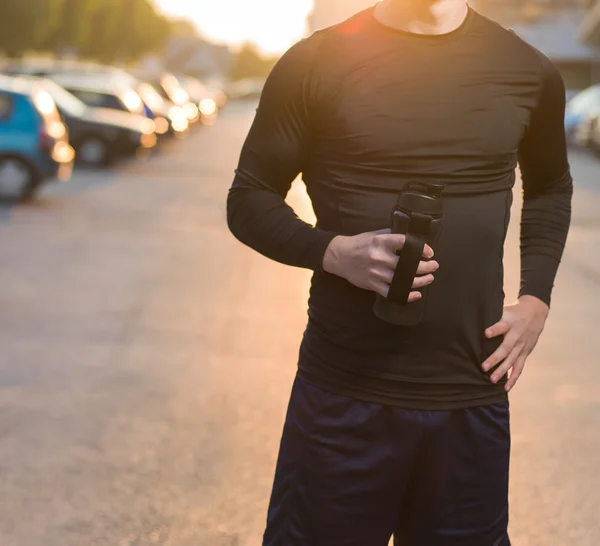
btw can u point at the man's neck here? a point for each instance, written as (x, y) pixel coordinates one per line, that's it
(422, 16)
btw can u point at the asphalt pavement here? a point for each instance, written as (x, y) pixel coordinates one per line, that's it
(146, 359)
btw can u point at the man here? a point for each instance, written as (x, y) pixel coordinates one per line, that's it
(396, 430)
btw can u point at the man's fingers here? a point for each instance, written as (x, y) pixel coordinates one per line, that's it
(420, 282)
(391, 261)
(414, 296)
(499, 329)
(508, 363)
(391, 242)
(424, 274)
(428, 252)
(427, 267)
(382, 282)
(383, 289)
(516, 372)
(501, 353)
(395, 241)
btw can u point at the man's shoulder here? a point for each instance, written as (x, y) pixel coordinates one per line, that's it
(511, 44)
(352, 28)
(328, 52)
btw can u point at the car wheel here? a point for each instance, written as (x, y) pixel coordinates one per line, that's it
(18, 181)
(93, 151)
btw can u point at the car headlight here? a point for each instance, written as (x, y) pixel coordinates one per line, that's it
(148, 127)
(63, 153)
(178, 119)
(57, 130)
(191, 111)
(180, 96)
(208, 107)
(176, 113)
(149, 140)
(162, 125)
(181, 125)
(132, 101)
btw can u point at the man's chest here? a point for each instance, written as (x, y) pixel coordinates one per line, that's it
(435, 112)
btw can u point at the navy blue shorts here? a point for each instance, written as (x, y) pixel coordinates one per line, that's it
(354, 473)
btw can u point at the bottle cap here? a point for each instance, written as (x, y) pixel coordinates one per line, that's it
(435, 189)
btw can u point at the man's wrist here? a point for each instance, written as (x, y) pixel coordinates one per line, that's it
(534, 301)
(332, 254)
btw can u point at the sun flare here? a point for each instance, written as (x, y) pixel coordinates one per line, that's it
(273, 25)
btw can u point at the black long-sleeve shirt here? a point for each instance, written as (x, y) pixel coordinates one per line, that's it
(360, 109)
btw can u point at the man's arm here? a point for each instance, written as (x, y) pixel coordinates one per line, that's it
(547, 193)
(273, 155)
(547, 189)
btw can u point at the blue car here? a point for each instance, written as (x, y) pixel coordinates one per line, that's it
(579, 108)
(34, 145)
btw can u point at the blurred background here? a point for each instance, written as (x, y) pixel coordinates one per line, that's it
(145, 356)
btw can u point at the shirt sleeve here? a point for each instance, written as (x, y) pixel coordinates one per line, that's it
(273, 155)
(547, 188)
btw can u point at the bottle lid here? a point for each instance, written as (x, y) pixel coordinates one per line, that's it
(435, 189)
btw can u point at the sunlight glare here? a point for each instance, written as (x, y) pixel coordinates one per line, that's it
(273, 25)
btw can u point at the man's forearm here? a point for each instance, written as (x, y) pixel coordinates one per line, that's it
(263, 220)
(544, 228)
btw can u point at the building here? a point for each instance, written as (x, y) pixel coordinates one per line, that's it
(197, 57)
(552, 26)
(590, 28)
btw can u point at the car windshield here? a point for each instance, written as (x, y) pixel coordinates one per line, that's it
(65, 101)
(150, 96)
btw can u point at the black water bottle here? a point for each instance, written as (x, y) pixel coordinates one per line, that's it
(419, 215)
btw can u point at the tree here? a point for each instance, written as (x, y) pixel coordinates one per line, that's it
(183, 28)
(144, 30)
(27, 25)
(100, 29)
(75, 24)
(125, 29)
(111, 18)
(250, 64)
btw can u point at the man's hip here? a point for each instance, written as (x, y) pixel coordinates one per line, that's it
(354, 473)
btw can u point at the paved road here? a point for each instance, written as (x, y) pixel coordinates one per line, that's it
(146, 358)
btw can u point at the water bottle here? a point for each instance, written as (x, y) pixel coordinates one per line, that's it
(418, 215)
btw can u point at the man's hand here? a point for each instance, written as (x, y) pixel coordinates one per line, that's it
(369, 261)
(521, 326)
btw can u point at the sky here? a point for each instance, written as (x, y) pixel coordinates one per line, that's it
(273, 25)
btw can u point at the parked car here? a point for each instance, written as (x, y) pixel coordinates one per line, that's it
(109, 87)
(169, 88)
(216, 87)
(588, 132)
(34, 144)
(202, 98)
(246, 89)
(578, 111)
(101, 135)
(101, 92)
(168, 117)
(44, 67)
